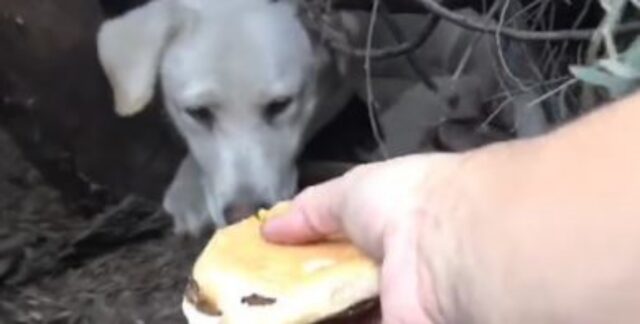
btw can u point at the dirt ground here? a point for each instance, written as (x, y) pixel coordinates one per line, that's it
(58, 265)
(89, 259)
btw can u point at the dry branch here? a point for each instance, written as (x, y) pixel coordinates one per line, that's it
(519, 34)
(385, 52)
(474, 24)
(395, 6)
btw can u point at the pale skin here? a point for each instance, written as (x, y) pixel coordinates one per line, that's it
(542, 230)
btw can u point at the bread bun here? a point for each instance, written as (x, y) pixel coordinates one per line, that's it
(241, 278)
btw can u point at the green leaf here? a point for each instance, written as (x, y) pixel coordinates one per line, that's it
(620, 69)
(616, 86)
(632, 55)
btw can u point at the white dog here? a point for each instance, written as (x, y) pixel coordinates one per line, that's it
(243, 81)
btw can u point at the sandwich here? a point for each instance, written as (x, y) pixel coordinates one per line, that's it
(241, 278)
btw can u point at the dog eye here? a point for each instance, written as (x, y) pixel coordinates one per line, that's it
(202, 115)
(277, 107)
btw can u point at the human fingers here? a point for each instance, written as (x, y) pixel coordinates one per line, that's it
(313, 215)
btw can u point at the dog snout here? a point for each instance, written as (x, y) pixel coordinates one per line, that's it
(236, 212)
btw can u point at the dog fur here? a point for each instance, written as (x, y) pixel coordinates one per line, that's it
(244, 82)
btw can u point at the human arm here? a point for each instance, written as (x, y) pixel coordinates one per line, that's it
(542, 230)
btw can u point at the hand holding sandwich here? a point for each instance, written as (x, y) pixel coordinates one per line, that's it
(378, 206)
(543, 230)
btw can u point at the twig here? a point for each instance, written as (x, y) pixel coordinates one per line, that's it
(528, 88)
(540, 15)
(538, 100)
(495, 112)
(501, 58)
(371, 101)
(551, 114)
(583, 14)
(519, 34)
(549, 24)
(548, 62)
(500, 77)
(395, 6)
(523, 46)
(473, 44)
(506, 91)
(472, 24)
(548, 95)
(484, 6)
(397, 33)
(386, 52)
(523, 10)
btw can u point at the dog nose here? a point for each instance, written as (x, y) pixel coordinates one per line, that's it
(236, 212)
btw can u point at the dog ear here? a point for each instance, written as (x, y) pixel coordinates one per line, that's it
(130, 48)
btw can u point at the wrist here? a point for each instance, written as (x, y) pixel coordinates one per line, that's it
(510, 211)
(448, 187)
(457, 226)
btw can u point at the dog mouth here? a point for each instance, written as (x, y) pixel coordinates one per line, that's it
(235, 198)
(237, 212)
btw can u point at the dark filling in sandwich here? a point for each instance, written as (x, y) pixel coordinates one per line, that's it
(192, 294)
(364, 312)
(257, 300)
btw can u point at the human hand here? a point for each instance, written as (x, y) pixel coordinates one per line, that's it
(381, 208)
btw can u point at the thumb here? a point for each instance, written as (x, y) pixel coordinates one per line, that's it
(314, 215)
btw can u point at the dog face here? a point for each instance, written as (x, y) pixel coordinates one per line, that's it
(240, 81)
(239, 87)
